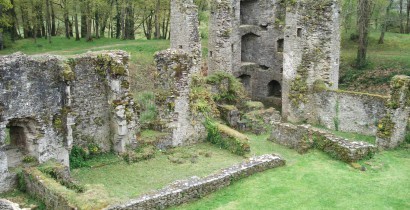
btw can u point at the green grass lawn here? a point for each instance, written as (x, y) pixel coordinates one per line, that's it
(124, 181)
(316, 181)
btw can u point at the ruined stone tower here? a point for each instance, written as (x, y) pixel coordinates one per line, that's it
(262, 42)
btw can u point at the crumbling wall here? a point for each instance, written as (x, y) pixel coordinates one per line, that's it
(101, 104)
(49, 103)
(347, 111)
(246, 40)
(392, 129)
(175, 68)
(185, 29)
(311, 53)
(304, 137)
(31, 99)
(224, 47)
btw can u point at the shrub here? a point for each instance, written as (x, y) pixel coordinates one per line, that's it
(147, 107)
(78, 157)
(140, 154)
(229, 89)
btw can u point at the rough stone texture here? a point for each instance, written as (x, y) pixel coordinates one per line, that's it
(8, 205)
(311, 53)
(185, 30)
(174, 70)
(245, 40)
(230, 114)
(304, 137)
(31, 99)
(347, 111)
(46, 189)
(50, 103)
(101, 103)
(259, 121)
(391, 132)
(194, 188)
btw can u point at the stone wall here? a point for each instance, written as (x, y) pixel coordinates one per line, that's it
(347, 111)
(49, 103)
(246, 39)
(47, 189)
(194, 188)
(31, 104)
(304, 137)
(185, 30)
(393, 128)
(101, 106)
(311, 53)
(174, 70)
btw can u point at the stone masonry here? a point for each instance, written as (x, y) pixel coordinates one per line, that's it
(48, 104)
(246, 39)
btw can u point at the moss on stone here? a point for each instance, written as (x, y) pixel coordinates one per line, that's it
(385, 127)
(68, 74)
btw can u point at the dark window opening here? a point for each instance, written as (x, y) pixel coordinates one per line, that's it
(274, 89)
(280, 45)
(17, 138)
(264, 27)
(180, 46)
(246, 81)
(299, 32)
(249, 48)
(210, 54)
(281, 70)
(232, 48)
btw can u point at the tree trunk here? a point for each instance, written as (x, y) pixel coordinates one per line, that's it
(89, 36)
(118, 20)
(157, 19)
(77, 33)
(408, 17)
(14, 24)
(401, 17)
(66, 20)
(97, 25)
(53, 21)
(363, 14)
(386, 20)
(129, 22)
(48, 20)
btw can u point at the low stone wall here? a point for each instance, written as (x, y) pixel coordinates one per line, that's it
(52, 193)
(348, 111)
(187, 190)
(304, 137)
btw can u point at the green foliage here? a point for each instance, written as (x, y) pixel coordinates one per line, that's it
(78, 157)
(229, 89)
(7, 140)
(146, 106)
(21, 185)
(200, 98)
(229, 141)
(29, 159)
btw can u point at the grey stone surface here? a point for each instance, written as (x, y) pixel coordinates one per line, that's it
(311, 53)
(8, 205)
(347, 111)
(304, 137)
(244, 39)
(194, 188)
(175, 68)
(49, 103)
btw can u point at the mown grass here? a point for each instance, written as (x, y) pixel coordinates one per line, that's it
(316, 181)
(124, 181)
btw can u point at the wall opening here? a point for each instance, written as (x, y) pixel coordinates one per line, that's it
(299, 32)
(21, 141)
(280, 45)
(249, 48)
(274, 89)
(210, 54)
(249, 12)
(246, 81)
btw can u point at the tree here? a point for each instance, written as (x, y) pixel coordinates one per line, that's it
(5, 5)
(386, 20)
(363, 14)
